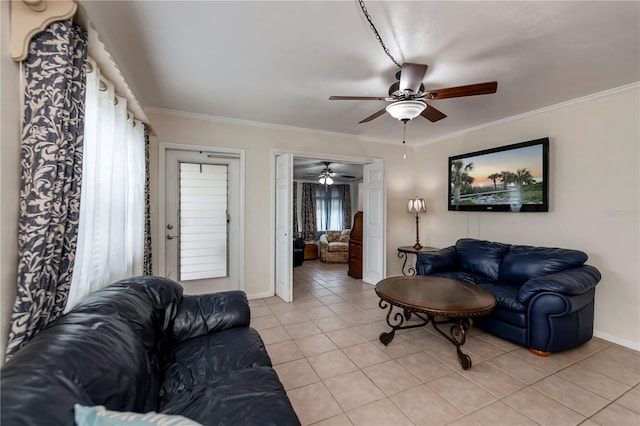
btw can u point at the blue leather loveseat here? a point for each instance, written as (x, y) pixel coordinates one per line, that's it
(544, 296)
(139, 345)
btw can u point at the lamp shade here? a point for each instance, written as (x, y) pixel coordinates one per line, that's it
(416, 205)
(405, 110)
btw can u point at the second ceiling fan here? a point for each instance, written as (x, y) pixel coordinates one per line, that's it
(410, 99)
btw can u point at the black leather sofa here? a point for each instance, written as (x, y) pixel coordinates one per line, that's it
(544, 296)
(139, 345)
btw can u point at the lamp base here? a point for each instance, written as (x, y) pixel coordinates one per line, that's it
(417, 246)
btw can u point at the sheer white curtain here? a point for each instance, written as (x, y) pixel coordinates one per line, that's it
(111, 230)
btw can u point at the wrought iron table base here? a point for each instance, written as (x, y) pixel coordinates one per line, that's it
(407, 271)
(457, 332)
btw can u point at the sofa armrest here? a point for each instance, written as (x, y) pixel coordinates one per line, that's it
(207, 313)
(572, 282)
(443, 260)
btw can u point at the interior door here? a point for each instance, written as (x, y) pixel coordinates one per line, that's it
(284, 236)
(374, 262)
(202, 204)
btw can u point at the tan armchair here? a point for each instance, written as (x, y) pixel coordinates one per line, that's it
(334, 246)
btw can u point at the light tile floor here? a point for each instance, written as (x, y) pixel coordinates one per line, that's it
(326, 351)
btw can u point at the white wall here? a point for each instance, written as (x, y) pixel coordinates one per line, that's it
(594, 197)
(258, 143)
(9, 176)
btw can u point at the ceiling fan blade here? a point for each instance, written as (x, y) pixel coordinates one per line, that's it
(411, 76)
(432, 114)
(373, 116)
(347, 176)
(357, 98)
(460, 91)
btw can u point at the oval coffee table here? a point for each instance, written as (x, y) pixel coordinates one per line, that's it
(429, 297)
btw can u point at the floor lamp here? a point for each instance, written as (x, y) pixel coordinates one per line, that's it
(416, 205)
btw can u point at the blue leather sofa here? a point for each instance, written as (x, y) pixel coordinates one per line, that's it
(139, 345)
(544, 296)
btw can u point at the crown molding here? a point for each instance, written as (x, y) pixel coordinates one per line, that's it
(227, 120)
(627, 87)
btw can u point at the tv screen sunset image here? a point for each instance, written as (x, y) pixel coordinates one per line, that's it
(511, 177)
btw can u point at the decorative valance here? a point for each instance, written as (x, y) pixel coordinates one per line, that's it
(29, 17)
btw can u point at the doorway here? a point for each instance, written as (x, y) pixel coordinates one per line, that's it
(202, 222)
(374, 208)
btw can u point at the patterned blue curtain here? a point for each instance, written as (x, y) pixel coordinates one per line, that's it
(296, 231)
(309, 225)
(51, 170)
(345, 194)
(147, 267)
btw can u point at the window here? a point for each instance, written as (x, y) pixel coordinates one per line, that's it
(330, 206)
(111, 227)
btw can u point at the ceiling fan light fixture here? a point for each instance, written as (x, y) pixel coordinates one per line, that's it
(406, 110)
(326, 180)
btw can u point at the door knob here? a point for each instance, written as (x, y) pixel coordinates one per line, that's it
(171, 236)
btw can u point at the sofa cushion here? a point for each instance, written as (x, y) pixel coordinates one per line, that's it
(333, 236)
(208, 313)
(480, 257)
(250, 396)
(202, 359)
(344, 236)
(337, 247)
(521, 263)
(443, 260)
(506, 295)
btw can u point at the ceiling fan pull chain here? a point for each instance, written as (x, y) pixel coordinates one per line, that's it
(375, 31)
(404, 145)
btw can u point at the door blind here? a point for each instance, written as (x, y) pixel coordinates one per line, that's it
(203, 221)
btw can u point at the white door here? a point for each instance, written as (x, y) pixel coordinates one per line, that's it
(374, 262)
(284, 237)
(202, 226)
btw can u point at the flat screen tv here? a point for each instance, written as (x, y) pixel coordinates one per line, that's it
(511, 178)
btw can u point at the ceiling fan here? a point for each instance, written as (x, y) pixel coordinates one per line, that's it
(326, 174)
(410, 99)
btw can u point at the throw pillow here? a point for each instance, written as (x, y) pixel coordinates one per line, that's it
(100, 416)
(344, 236)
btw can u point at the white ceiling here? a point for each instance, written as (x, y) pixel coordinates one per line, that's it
(278, 62)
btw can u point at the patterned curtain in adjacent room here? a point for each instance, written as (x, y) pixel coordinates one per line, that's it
(51, 170)
(147, 268)
(345, 194)
(296, 231)
(309, 224)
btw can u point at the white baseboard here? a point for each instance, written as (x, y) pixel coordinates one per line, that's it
(613, 339)
(259, 295)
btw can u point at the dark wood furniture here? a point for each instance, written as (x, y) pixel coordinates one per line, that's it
(431, 297)
(405, 251)
(355, 247)
(310, 251)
